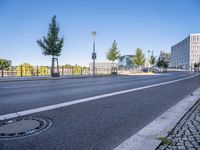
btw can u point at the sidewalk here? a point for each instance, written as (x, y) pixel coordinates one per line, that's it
(32, 78)
(186, 134)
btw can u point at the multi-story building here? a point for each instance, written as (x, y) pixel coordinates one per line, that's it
(186, 53)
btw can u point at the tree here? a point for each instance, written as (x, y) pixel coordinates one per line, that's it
(4, 64)
(196, 65)
(152, 61)
(52, 44)
(139, 58)
(25, 70)
(162, 64)
(43, 70)
(113, 53)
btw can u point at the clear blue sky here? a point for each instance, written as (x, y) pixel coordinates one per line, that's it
(148, 24)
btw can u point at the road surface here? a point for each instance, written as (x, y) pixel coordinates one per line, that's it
(100, 124)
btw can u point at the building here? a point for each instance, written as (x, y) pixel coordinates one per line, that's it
(102, 67)
(125, 61)
(186, 53)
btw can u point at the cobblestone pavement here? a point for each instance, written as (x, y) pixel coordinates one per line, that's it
(186, 134)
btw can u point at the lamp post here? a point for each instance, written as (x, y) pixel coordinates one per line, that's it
(148, 60)
(94, 53)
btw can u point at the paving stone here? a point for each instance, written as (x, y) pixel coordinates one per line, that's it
(186, 134)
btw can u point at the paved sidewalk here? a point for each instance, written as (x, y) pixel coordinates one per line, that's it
(186, 134)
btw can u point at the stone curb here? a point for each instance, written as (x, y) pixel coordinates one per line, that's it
(49, 78)
(146, 138)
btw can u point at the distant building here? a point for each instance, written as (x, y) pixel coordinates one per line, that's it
(102, 67)
(166, 56)
(125, 61)
(186, 53)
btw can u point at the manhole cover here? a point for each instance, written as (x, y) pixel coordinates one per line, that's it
(20, 127)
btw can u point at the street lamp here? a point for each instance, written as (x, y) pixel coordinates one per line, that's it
(148, 60)
(94, 56)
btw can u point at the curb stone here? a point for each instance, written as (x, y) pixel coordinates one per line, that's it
(146, 138)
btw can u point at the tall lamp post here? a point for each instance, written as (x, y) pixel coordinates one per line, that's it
(94, 56)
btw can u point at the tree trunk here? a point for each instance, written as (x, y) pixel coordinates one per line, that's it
(52, 66)
(2, 72)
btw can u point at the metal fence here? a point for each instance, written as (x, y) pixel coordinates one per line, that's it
(25, 71)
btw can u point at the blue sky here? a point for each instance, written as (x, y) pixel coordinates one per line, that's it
(148, 24)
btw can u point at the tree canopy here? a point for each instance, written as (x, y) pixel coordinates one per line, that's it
(113, 53)
(52, 44)
(4, 64)
(162, 63)
(139, 58)
(152, 60)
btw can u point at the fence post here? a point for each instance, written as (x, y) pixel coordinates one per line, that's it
(12, 71)
(37, 71)
(81, 71)
(21, 71)
(62, 70)
(72, 70)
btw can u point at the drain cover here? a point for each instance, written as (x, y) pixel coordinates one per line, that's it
(20, 127)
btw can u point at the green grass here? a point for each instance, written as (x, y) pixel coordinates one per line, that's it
(165, 141)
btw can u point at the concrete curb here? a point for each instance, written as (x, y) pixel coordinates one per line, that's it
(49, 78)
(146, 138)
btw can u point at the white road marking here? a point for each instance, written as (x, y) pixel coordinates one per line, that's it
(54, 106)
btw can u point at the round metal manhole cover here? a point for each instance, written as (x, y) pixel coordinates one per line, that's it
(21, 127)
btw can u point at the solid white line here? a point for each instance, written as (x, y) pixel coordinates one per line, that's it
(50, 107)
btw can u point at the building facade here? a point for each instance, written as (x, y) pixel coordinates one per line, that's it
(102, 67)
(125, 62)
(186, 53)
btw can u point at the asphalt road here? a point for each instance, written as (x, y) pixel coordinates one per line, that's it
(101, 124)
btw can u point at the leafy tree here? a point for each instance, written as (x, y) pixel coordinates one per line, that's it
(43, 71)
(139, 58)
(152, 60)
(162, 64)
(25, 70)
(196, 66)
(52, 44)
(113, 53)
(67, 66)
(4, 64)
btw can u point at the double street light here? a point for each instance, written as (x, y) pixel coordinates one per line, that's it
(94, 55)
